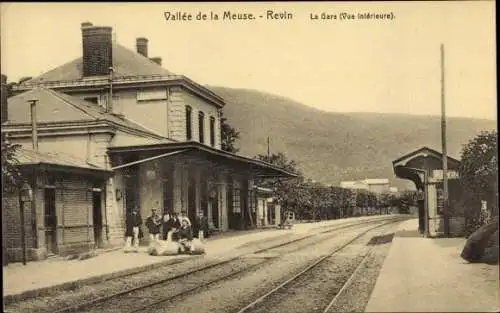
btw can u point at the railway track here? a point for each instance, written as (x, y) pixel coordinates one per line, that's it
(153, 293)
(312, 283)
(353, 275)
(147, 300)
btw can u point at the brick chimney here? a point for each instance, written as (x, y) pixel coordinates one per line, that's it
(97, 49)
(157, 60)
(4, 96)
(142, 46)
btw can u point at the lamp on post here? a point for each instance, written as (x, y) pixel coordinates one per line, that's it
(25, 195)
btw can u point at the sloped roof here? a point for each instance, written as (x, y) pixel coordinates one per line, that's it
(263, 190)
(421, 152)
(31, 157)
(129, 67)
(125, 63)
(56, 107)
(199, 150)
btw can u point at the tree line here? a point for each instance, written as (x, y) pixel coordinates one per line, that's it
(312, 200)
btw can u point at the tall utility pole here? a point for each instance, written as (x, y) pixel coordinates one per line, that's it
(34, 134)
(445, 154)
(109, 106)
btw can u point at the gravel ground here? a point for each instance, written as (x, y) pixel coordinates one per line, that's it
(356, 296)
(144, 297)
(313, 291)
(232, 295)
(87, 293)
(173, 288)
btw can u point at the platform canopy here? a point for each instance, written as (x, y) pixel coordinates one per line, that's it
(413, 165)
(60, 162)
(196, 153)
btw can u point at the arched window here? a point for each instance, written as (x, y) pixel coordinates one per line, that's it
(201, 126)
(189, 131)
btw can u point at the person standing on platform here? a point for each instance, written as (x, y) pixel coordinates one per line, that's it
(168, 224)
(196, 227)
(176, 225)
(153, 223)
(201, 226)
(132, 230)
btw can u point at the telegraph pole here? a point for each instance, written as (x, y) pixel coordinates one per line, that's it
(34, 134)
(445, 154)
(109, 105)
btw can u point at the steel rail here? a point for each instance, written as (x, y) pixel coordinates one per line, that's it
(220, 279)
(205, 284)
(351, 278)
(84, 305)
(308, 268)
(216, 280)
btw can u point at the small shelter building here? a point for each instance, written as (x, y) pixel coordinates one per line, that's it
(424, 167)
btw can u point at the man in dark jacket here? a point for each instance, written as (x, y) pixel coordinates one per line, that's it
(201, 226)
(153, 223)
(132, 229)
(175, 226)
(168, 224)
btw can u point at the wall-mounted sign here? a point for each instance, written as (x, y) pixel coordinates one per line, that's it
(149, 95)
(438, 174)
(440, 201)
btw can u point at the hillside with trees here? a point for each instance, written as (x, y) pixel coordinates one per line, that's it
(330, 147)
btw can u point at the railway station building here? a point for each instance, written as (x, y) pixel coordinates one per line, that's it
(141, 134)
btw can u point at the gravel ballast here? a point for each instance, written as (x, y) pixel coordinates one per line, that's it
(357, 294)
(232, 295)
(293, 256)
(87, 293)
(314, 289)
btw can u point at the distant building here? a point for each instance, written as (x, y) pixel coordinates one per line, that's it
(355, 185)
(379, 185)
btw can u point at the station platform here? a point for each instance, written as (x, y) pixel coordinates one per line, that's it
(42, 277)
(428, 275)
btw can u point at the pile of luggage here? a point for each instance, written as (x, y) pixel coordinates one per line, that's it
(172, 247)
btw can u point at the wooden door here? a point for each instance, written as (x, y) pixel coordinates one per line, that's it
(50, 220)
(97, 218)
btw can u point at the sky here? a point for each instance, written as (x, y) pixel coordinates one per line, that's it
(387, 66)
